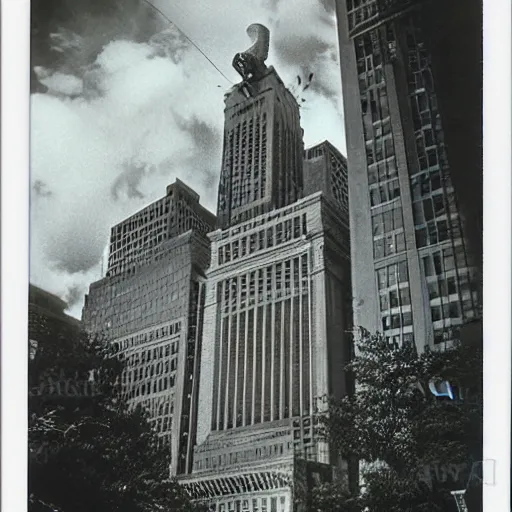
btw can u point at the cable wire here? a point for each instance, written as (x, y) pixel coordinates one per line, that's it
(188, 38)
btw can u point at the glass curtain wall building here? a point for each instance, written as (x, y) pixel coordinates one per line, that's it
(415, 276)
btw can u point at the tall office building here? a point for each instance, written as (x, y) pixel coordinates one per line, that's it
(262, 159)
(276, 319)
(148, 308)
(415, 223)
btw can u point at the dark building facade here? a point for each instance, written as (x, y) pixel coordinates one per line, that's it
(148, 307)
(47, 320)
(277, 321)
(415, 187)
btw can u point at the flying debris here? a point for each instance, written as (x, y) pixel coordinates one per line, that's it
(297, 91)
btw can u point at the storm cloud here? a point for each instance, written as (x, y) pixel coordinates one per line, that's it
(123, 104)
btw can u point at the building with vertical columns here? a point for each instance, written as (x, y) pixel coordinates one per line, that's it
(277, 320)
(148, 307)
(415, 239)
(277, 307)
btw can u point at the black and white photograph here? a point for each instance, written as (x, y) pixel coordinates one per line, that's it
(256, 258)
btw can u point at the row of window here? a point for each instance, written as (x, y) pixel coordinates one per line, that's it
(267, 284)
(273, 504)
(375, 108)
(384, 193)
(396, 321)
(159, 406)
(161, 424)
(440, 262)
(392, 275)
(388, 245)
(436, 232)
(387, 222)
(242, 456)
(134, 390)
(154, 334)
(383, 171)
(149, 370)
(261, 221)
(272, 236)
(143, 227)
(257, 105)
(395, 298)
(426, 210)
(447, 310)
(149, 214)
(425, 184)
(397, 340)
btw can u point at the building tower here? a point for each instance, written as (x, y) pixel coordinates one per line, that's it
(415, 277)
(262, 159)
(148, 307)
(276, 331)
(325, 169)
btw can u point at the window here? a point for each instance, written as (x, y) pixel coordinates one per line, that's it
(442, 230)
(405, 297)
(402, 271)
(379, 251)
(436, 313)
(400, 242)
(382, 278)
(433, 290)
(392, 275)
(438, 267)
(449, 259)
(270, 237)
(454, 310)
(451, 285)
(378, 225)
(438, 202)
(421, 237)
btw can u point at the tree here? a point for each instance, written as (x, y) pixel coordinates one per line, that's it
(88, 449)
(413, 447)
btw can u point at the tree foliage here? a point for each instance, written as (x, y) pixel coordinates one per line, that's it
(414, 448)
(88, 449)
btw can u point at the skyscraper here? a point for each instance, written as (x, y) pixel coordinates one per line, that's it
(276, 312)
(415, 247)
(262, 159)
(148, 307)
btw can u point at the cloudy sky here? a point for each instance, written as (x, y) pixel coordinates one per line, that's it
(122, 104)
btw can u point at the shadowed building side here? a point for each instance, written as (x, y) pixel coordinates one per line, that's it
(418, 262)
(148, 308)
(47, 321)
